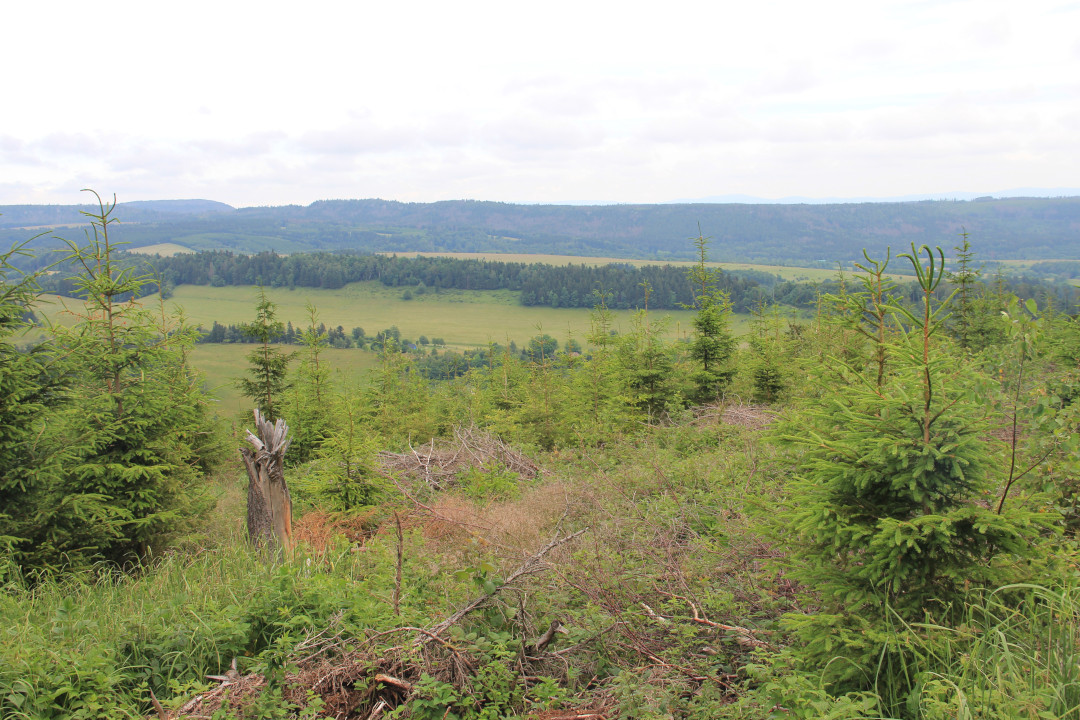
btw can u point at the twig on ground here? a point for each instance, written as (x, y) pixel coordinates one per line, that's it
(531, 565)
(745, 636)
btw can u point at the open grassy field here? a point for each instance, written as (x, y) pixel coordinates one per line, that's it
(794, 274)
(222, 365)
(160, 249)
(1019, 265)
(463, 318)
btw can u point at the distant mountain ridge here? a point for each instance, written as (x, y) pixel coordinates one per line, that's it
(1000, 228)
(16, 216)
(916, 197)
(177, 207)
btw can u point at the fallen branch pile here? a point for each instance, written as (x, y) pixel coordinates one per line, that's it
(438, 463)
(752, 417)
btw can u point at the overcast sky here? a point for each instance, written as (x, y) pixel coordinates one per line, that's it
(267, 104)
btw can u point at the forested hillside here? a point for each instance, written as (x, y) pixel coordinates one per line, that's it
(1030, 228)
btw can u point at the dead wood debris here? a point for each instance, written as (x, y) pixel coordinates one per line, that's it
(358, 681)
(353, 684)
(532, 564)
(743, 636)
(438, 463)
(749, 416)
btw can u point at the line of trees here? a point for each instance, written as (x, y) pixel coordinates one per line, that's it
(539, 284)
(571, 286)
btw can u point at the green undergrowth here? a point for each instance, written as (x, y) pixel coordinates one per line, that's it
(671, 599)
(1014, 654)
(95, 645)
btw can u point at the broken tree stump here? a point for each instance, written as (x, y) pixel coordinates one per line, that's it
(269, 503)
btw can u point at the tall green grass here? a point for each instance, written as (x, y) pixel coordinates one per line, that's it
(1009, 654)
(94, 645)
(1016, 654)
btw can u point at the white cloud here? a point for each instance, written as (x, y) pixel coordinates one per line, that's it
(261, 103)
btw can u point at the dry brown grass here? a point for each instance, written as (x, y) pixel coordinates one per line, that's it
(318, 528)
(511, 528)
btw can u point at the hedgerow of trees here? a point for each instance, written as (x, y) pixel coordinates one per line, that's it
(536, 284)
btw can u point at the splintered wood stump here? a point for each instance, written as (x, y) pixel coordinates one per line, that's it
(269, 503)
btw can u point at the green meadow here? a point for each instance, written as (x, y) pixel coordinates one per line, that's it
(223, 365)
(160, 249)
(462, 318)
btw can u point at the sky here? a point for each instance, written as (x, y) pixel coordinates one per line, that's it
(268, 103)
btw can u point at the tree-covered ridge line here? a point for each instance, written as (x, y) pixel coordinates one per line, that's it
(539, 284)
(1012, 228)
(566, 286)
(140, 211)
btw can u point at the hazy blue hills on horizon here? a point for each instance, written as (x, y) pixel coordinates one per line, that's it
(1027, 192)
(36, 216)
(804, 233)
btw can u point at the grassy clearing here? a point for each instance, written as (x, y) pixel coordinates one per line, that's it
(109, 641)
(463, 318)
(223, 365)
(240, 242)
(160, 249)
(672, 548)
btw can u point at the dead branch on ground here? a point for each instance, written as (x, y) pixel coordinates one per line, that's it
(532, 564)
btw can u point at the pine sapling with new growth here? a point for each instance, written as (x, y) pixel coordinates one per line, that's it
(962, 321)
(767, 349)
(268, 365)
(312, 404)
(32, 386)
(647, 367)
(713, 345)
(889, 520)
(137, 417)
(867, 312)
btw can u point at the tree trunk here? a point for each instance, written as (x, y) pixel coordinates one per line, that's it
(269, 503)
